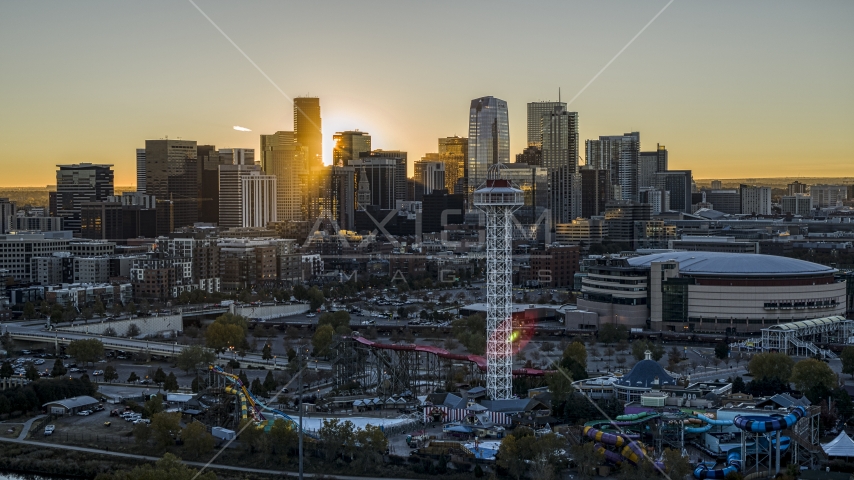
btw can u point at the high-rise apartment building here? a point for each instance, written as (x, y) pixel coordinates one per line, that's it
(535, 112)
(559, 135)
(755, 200)
(349, 145)
(678, 183)
(307, 130)
(826, 196)
(379, 177)
(140, 170)
(75, 185)
(281, 158)
(795, 188)
(258, 199)
(453, 152)
(231, 194)
(725, 201)
(489, 140)
(172, 174)
(618, 154)
(650, 163)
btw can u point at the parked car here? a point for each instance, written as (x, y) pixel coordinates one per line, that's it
(98, 372)
(48, 430)
(84, 413)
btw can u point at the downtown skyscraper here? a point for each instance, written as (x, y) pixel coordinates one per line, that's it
(453, 152)
(559, 143)
(172, 175)
(536, 110)
(78, 184)
(281, 158)
(489, 140)
(619, 155)
(307, 130)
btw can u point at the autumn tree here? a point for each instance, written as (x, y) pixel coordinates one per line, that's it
(110, 374)
(226, 331)
(814, 378)
(847, 358)
(169, 467)
(193, 357)
(197, 440)
(322, 340)
(164, 428)
(771, 366)
(88, 350)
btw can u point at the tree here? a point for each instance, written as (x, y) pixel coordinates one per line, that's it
(612, 333)
(283, 439)
(164, 427)
(169, 467)
(133, 330)
(152, 406)
(586, 457)
(132, 377)
(171, 383)
(6, 370)
(159, 376)
(194, 357)
(722, 350)
(675, 465)
(322, 339)
(270, 382)
(640, 346)
(257, 387)
(266, 352)
(29, 311)
(131, 309)
(110, 332)
(509, 457)
(577, 352)
(99, 308)
(32, 373)
(337, 437)
(58, 368)
(847, 357)
(142, 434)
(89, 350)
(738, 385)
(228, 330)
(814, 378)
(197, 440)
(771, 366)
(110, 374)
(559, 385)
(315, 298)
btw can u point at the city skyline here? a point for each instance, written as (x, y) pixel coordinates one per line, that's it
(683, 79)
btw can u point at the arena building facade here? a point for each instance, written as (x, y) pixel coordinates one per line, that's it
(709, 291)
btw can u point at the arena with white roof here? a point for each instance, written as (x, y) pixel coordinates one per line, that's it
(710, 291)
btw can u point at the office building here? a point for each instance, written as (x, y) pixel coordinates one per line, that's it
(7, 215)
(534, 183)
(19, 223)
(559, 139)
(453, 152)
(621, 216)
(349, 145)
(555, 266)
(440, 208)
(797, 204)
(343, 196)
(536, 110)
(281, 158)
(258, 199)
(237, 156)
(716, 185)
(755, 200)
(140, 170)
(172, 174)
(399, 160)
(619, 155)
(208, 162)
(678, 183)
(827, 196)
(583, 231)
(532, 155)
(20, 248)
(725, 201)
(308, 130)
(75, 185)
(795, 188)
(102, 221)
(377, 179)
(429, 176)
(596, 191)
(489, 140)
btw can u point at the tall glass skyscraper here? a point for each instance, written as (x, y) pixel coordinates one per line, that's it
(536, 110)
(489, 139)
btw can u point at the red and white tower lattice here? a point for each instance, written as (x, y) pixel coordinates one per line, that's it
(498, 198)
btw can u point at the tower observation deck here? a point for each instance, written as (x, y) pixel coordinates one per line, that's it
(498, 198)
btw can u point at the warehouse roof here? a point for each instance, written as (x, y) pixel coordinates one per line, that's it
(75, 402)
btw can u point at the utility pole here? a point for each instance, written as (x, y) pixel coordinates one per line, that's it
(299, 359)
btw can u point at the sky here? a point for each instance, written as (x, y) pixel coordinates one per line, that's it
(732, 89)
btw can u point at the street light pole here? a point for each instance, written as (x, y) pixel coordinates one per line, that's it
(300, 413)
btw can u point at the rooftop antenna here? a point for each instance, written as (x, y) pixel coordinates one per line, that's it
(558, 94)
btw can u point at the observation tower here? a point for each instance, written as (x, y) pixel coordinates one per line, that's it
(498, 198)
